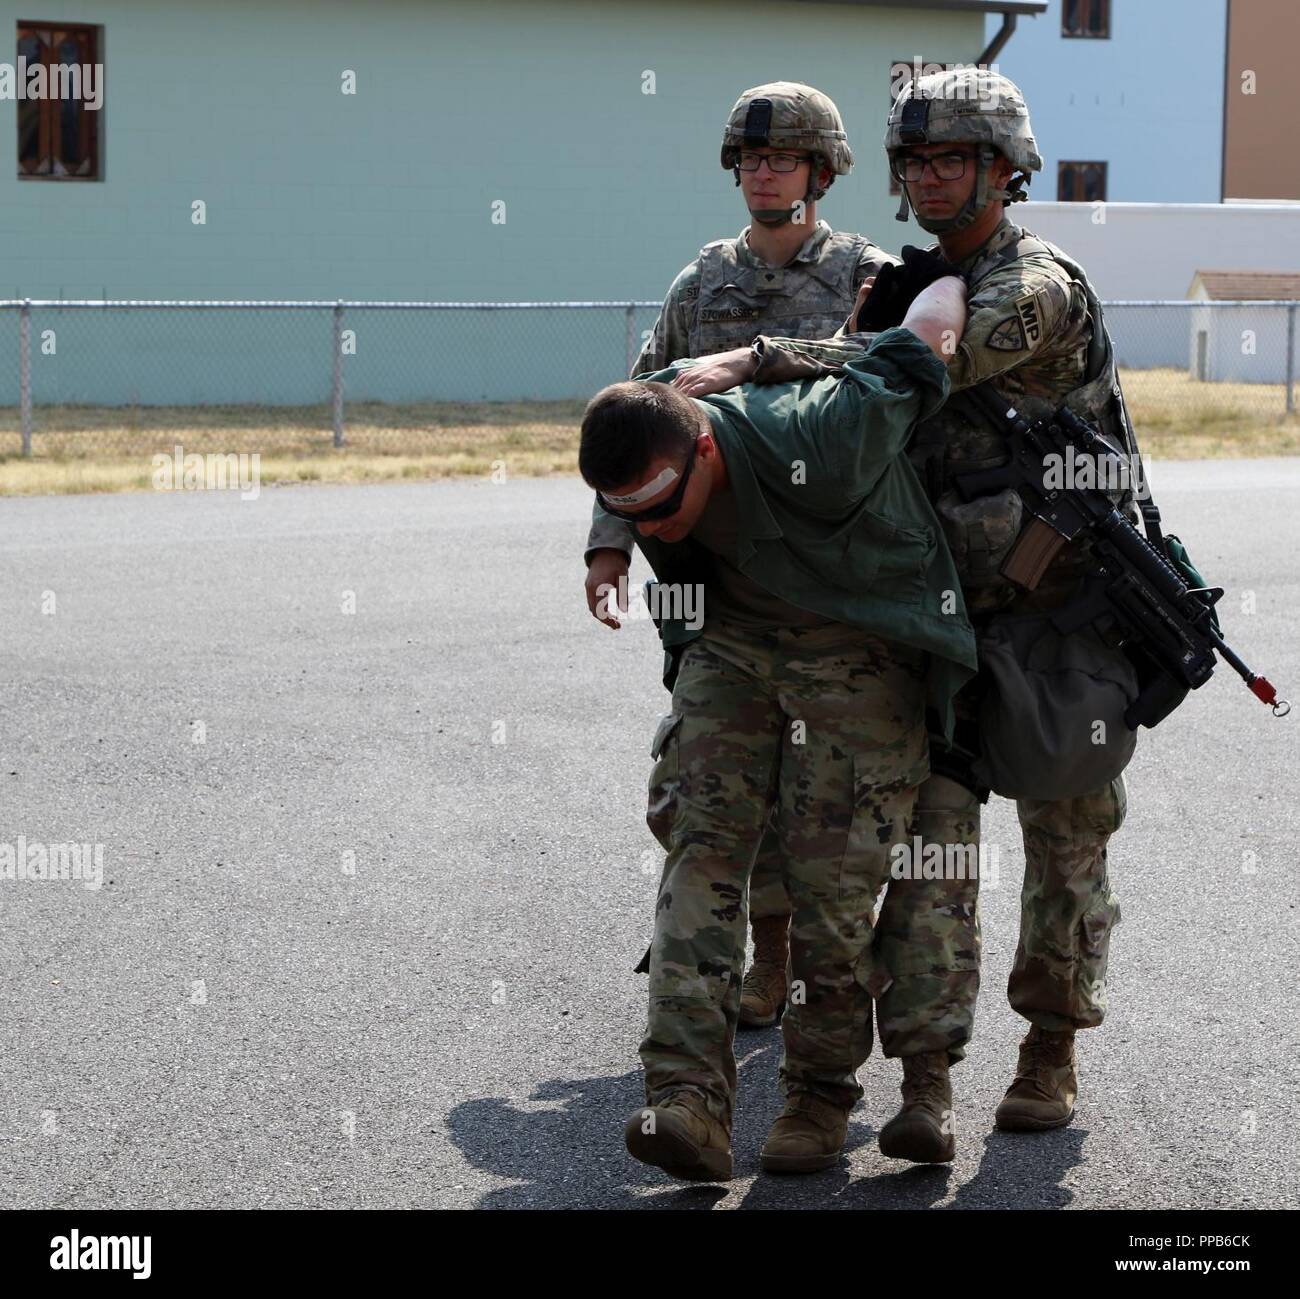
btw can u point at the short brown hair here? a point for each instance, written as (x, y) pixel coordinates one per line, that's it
(629, 424)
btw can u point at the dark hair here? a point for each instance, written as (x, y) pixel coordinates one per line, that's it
(629, 424)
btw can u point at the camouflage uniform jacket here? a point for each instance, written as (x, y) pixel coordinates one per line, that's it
(727, 296)
(1033, 326)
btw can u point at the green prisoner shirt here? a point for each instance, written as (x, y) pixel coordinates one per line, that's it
(731, 596)
(830, 516)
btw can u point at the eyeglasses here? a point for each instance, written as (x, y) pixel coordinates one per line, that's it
(668, 506)
(780, 162)
(911, 166)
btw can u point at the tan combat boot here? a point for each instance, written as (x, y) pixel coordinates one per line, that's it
(1046, 1083)
(922, 1130)
(808, 1137)
(681, 1137)
(762, 995)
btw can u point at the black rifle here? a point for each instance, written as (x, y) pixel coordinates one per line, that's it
(1168, 629)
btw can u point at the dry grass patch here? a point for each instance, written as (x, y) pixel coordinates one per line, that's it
(1178, 418)
(111, 449)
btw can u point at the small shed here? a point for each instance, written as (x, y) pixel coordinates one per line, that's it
(1246, 331)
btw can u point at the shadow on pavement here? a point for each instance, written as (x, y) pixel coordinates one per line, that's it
(563, 1148)
(1023, 1170)
(565, 1145)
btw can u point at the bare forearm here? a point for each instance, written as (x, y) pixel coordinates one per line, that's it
(937, 316)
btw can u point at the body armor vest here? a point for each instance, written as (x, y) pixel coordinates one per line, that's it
(959, 439)
(737, 302)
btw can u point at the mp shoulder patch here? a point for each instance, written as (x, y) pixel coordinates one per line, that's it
(1027, 310)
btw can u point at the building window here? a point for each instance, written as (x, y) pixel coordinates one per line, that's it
(1081, 182)
(1085, 18)
(58, 115)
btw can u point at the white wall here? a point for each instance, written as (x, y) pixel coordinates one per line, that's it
(1243, 344)
(1152, 250)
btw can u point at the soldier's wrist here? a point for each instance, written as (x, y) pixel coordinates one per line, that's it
(760, 352)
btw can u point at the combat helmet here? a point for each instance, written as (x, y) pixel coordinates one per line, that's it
(966, 106)
(788, 115)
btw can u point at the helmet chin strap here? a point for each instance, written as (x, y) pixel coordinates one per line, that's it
(780, 216)
(772, 216)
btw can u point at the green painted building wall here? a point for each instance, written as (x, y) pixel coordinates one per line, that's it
(390, 193)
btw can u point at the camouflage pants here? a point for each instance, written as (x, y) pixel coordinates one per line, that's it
(929, 930)
(930, 933)
(824, 725)
(927, 933)
(767, 895)
(1067, 909)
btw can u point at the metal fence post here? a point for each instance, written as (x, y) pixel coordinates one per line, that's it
(1290, 358)
(25, 373)
(338, 373)
(633, 351)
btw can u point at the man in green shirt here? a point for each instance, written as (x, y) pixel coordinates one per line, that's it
(786, 273)
(832, 618)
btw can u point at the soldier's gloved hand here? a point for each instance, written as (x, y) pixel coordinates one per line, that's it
(897, 286)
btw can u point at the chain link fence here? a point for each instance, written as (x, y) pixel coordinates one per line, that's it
(1201, 370)
(133, 377)
(128, 377)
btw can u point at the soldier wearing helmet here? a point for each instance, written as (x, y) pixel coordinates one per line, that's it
(965, 107)
(787, 273)
(961, 146)
(787, 116)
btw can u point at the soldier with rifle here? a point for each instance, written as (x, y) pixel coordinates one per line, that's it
(961, 147)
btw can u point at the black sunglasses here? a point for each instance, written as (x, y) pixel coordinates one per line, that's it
(670, 505)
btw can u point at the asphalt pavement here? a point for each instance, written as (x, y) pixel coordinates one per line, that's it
(367, 783)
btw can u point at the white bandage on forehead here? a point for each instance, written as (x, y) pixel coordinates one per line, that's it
(652, 488)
